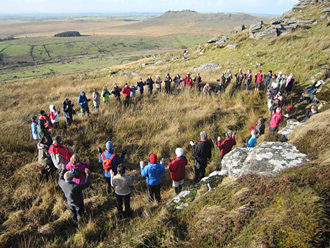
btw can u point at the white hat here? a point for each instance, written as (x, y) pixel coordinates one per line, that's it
(179, 152)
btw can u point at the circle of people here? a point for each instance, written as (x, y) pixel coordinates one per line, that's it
(75, 175)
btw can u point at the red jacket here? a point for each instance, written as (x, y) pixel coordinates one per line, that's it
(178, 168)
(126, 91)
(259, 77)
(187, 80)
(276, 120)
(226, 145)
(61, 150)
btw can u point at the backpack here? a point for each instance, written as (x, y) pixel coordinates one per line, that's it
(74, 172)
(107, 162)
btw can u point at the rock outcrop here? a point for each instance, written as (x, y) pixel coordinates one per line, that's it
(268, 158)
(305, 3)
(208, 66)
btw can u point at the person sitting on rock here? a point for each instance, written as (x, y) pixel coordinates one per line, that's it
(178, 170)
(314, 110)
(226, 145)
(276, 120)
(252, 142)
(153, 172)
(121, 182)
(260, 127)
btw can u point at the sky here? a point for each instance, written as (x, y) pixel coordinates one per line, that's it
(273, 7)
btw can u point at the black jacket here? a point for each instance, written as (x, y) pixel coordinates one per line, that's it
(202, 151)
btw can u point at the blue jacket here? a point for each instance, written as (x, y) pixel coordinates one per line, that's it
(153, 173)
(82, 101)
(252, 142)
(115, 162)
(34, 128)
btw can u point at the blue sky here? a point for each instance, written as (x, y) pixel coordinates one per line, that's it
(276, 7)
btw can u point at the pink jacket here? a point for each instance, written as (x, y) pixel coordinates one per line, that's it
(81, 166)
(276, 120)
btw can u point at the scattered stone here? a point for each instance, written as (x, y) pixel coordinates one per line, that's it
(174, 58)
(312, 79)
(158, 62)
(268, 158)
(326, 50)
(208, 66)
(202, 51)
(239, 28)
(258, 64)
(166, 60)
(213, 40)
(252, 54)
(268, 33)
(184, 58)
(315, 22)
(129, 74)
(232, 46)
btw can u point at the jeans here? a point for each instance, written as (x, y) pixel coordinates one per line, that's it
(126, 199)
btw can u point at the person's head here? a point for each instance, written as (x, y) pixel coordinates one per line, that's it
(260, 71)
(314, 108)
(126, 85)
(278, 110)
(149, 77)
(68, 176)
(179, 152)
(276, 101)
(43, 112)
(228, 70)
(140, 79)
(178, 74)
(34, 118)
(67, 99)
(203, 135)
(280, 73)
(167, 75)
(114, 85)
(153, 159)
(207, 85)
(270, 72)
(274, 76)
(198, 74)
(109, 145)
(222, 75)
(105, 88)
(240, 71)
(58, 139)
(254, 132)
(249, 71)
(121, 169)
(43, 140)
(74, 159)
(82, 93)
(157, 76)
(132, 84)
(229, 133)
(188, 74)
(291, 74)
(261, 121)
(95, 90)
(51, 107)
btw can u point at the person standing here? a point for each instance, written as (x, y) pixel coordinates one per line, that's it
(222, 82)
(248, 79)
(168, 81)
(77, 167)
(133, 90)
(289, 83)
(226, 145)
(276, 119)
(116, 92)
(96, 99)
(121, 183)
(127, 94)
(59, 153)
(54, 115)
(177, 80)
(239, 79)
(140, 85)
(73, 193)
(187, 80)
(228, 77)
(201, 152)
(268, 79)
(198, 81)
(252, 142)
(158, 84)
(68, 111)
(105, 95)
(44, 158)
(207, 90)
(110, 161)
(178, 170)
(44, 127)
(153, 172)
(83, 102)
(34, 128)
(149, 83)
(258, 78)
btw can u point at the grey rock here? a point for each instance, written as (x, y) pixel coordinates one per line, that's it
(268, 33)
(256, 27)
(276, 22)
(268, 158)
(174, 58)
(239, 28)
(306, 21)
(213, 40)
(184, 58)
(290, 125)
(202, 51)
(323, 16)
(326, 10)
(315, 22)
(207, 66)
(166, 60)
(158, 62)
(277, 26)
(232, 46)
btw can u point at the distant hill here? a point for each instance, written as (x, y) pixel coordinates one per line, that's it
(187, 21)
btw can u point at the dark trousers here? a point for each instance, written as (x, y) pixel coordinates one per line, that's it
(168, 88)
(238, 86)
(199, 173)
(153, 192)
(76, 212)
(107, 185)
(126, 199)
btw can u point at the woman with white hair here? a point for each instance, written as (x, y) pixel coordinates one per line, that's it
(54, 115)
(178, 170)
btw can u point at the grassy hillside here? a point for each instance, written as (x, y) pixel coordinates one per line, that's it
(289, 210)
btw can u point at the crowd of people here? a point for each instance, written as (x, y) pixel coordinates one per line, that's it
(75, 174)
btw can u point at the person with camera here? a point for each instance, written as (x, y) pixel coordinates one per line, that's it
(226, 145)
(83, 102)
(110, 161)
(73, 192)
(68, 111)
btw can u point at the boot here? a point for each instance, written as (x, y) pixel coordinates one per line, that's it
(180, 188)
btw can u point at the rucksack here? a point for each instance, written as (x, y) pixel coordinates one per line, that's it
(107, 162)
(74, 172)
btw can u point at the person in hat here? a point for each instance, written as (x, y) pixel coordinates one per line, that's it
(105, 94)
(178, 170)
(121, 182)
(83, 102)
(116, 92)
(34, 128)
(187, 80)
(258, 78)
(201, 152)
(73, 193)
(168, 81)
(150, 83)
(127, 94)
(44, 127)
(59, 153)
(153, 172)
(177, 80)
(68, 111)
(110, 161)
(226, 145)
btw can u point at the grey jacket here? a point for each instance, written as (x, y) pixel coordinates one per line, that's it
(72, 190)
